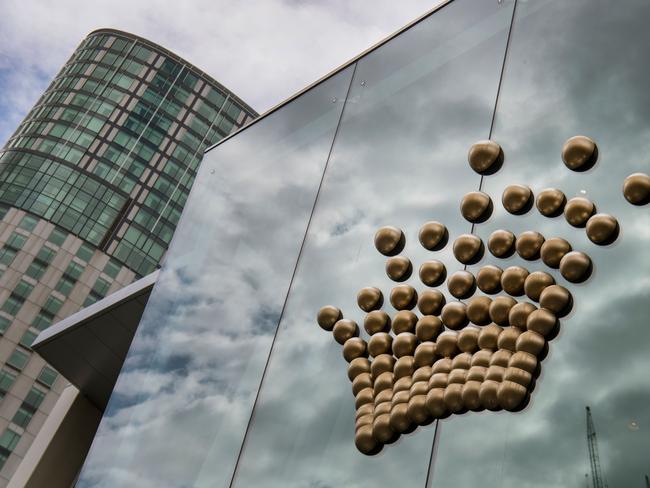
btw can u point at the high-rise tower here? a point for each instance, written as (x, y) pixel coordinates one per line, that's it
(92, 185)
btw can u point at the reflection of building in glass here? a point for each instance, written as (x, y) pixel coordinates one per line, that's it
(227, 361)
(92, 186)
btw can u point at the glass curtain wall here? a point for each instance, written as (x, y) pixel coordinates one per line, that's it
(573, 68)
(230, 381)
(182, 402)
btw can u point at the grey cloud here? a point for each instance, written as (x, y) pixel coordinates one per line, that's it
(264, 50)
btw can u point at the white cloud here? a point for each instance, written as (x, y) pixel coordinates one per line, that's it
(263, 50)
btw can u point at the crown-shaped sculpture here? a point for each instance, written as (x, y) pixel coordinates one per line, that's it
(478, 352)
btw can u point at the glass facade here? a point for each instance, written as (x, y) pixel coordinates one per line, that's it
(92, 186)
(229, 362)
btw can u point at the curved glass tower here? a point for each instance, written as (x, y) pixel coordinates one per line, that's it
(92, 185)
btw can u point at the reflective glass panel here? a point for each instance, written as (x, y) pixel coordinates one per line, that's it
(184, 397)
(399, 158)
(573, 68)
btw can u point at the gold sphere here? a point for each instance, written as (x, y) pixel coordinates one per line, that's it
(488, 279)
(430, 302)
(399, 418)
(421, 377)
(470, 395)
(553, 251)
(500, 308)
(384, 381)
(579, 153)
(550, 202)
(381, 429)
(636, 189)
(380, 343)
(438, 380)
(355, 347)
(420, 386)
(364, 440)
(454, 315)
(404, 321)
(402, 395)
(485, 157)
(507, 340)
(602, 229)
(529, 244)
(557, 299)
(384, 396)
(468, 248)
(399, 268)
(358, 366)
(510, 395)
(476, 206)
(436, 402)
(444, 365)
(468, 340)
(417, 409)
(370, 298)
(433, 236)
(328, 316)
(519, 376)
(523, 360)
(389, 241)
(530, 342)
(482, 357)
(462, 360)
(495, 373)
(425, 354)
(376, 321)
(541, 321)
(362, 381)
(433, 273)
(403, 383)
(461, 284)
(382, 363)
(428, 328)
(447, 344)
(363, 410)
(403, 297)
(575, 267)
(453, 397)
(363, 420)
(367, 395)
(513, 279)
(500, 358)
(501, 243)
(404, 344)
(345, 329)
(476, 373)
(578, 210)
(519, 313)
(383, 408)
(478, 310)
(488, 395)
(489, 336)
(535, 284)
(517, 199)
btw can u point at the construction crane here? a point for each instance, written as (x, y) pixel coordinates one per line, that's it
(597, 478)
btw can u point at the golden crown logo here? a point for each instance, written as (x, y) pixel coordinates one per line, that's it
(478, 352)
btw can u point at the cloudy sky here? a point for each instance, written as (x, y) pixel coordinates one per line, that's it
(264, 50)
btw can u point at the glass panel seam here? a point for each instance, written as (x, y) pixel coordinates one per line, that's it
(293, 275)
(438, 426)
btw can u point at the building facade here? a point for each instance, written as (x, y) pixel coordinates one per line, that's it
(500, 149)
(92, 186)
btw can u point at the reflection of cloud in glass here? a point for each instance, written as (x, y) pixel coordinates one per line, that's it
(572, 68)
(182, 402)
(399, 159)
